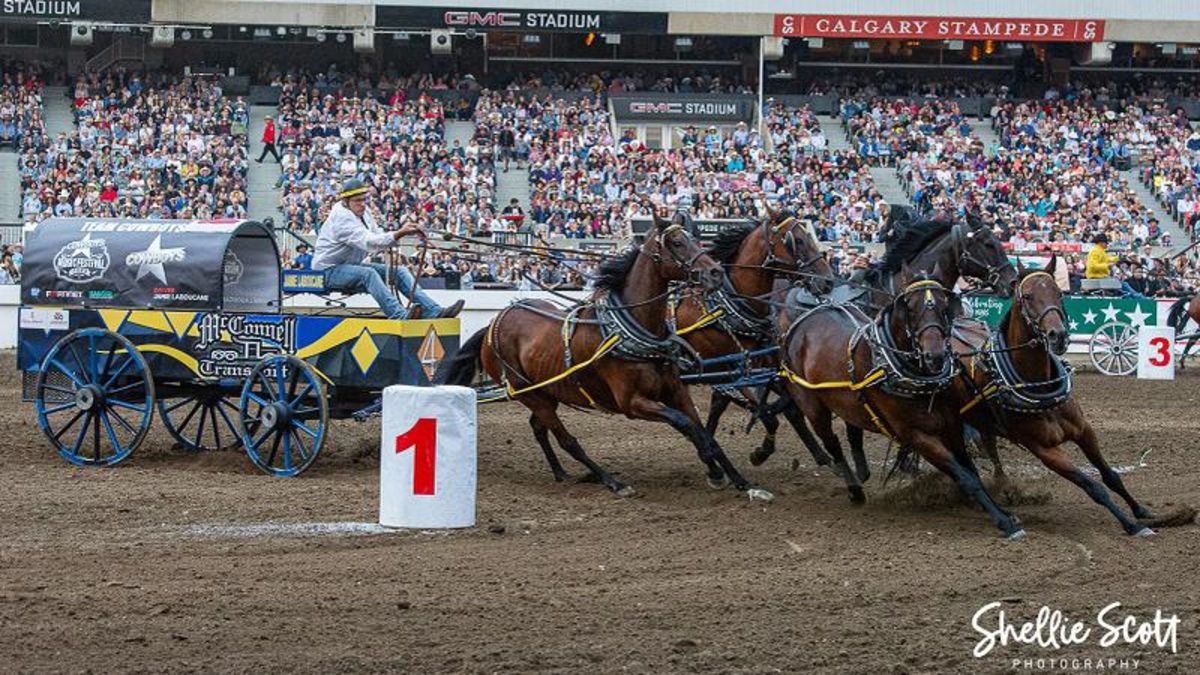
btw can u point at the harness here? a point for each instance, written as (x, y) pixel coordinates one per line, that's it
(1005, 388)
(889, 370)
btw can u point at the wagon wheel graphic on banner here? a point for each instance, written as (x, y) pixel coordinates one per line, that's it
(1113, 348)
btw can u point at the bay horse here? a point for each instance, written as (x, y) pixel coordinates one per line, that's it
(754, 256)
(1012, 384)
(887, 375)
(953, 250)
(613, 353)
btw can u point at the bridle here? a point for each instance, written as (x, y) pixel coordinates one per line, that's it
(965, 256)
(688, 266)
(940, 323)
(1035, 323)
(796, 266)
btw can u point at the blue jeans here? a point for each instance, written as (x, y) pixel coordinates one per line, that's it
(368, 278)
(1128, 291)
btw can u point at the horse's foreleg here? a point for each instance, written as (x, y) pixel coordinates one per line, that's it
(1090, 446)
(542, 434)
(549, 418)
(682, 416)
(822, 423)
(1056, 460)
(763, 452)
(948, 461)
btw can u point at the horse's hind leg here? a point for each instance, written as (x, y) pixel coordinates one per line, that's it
(1090, 446)
(854, 435)
(715, 410)
(763, 452)
(796, 419)
(549, 418)
(542, 434)
(822, 423)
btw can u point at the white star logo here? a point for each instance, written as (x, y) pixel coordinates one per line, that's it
(1074, 325)
(1137, 317)
(1089, 317)
(151, 260)
(1110, 312)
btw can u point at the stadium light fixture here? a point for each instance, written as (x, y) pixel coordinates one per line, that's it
(321, 37)
(815, 42)
(532, 39)
(683, 44)
(341, 37)
(185, 34)
(208, 33)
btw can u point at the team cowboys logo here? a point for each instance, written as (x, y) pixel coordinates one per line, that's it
(151, 260)
(82, 261)
(233, 268)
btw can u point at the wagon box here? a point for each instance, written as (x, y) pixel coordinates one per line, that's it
(120, 317)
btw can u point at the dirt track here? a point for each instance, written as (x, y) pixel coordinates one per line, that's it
(157, 565)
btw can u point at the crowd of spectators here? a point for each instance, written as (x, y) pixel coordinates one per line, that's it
(22, 115)
(144, 146)
(396, 145)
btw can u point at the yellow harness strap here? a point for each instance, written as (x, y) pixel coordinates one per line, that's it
(869, 380)
(603, 349)
(702, 322)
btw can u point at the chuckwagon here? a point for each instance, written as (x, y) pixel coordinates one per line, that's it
(121, 318)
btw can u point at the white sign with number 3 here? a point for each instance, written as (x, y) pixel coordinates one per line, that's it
(427, 457)
(1156, 353)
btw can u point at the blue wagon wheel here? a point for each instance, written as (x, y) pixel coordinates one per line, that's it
(95, 397)
(283, 415)
(202, 419)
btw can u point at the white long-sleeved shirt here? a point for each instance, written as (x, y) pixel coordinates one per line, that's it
(346, 238)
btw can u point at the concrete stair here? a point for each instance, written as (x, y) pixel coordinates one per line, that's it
(1166, 221)
(834, 132)
(459, 131)
(10, 187)
(261, 194)
(888, 184)
(59, 118)
(983, 129)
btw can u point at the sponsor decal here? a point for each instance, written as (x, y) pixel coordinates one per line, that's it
(431, 352)
(153, 259)
(59, 294)
(83, 261)
(233, 268)
(230, 345)
(939, 28)
(101, 295)
(45, 319)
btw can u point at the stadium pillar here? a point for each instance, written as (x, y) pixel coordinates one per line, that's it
(762, 43)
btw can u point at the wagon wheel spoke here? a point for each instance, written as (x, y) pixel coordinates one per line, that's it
(83, 369)
(61, 390)
(108, 359)
(287, 450)
(62, 368)
(302, 449)
(295, 400)
(82, 434)
(302, 427)
(108, 430)
(175, 406)
(124, 423)
(58, 434)
(200, 426)
(274, 448)
(120, 371)
(96, 437)
(127, 405)
(59, 408)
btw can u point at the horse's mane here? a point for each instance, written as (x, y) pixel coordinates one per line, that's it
(612, 273)
(914, 240)
(726, 244)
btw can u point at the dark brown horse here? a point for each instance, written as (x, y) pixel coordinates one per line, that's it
(613, 353)
(886, 375)
(754, 256)
(954, 250)
(1013, 385)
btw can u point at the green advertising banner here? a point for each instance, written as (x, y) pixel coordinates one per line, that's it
(1084, 313)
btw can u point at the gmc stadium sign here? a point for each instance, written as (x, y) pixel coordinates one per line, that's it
(487, 19)
(683, 108)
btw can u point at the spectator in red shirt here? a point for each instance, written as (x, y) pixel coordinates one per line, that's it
(268, 139)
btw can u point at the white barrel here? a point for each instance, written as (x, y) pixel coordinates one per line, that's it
(1156, 353)
(427, 457)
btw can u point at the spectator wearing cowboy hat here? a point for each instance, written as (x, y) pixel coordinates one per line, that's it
(348, 236)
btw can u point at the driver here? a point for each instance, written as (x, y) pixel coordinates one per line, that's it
(348, 236)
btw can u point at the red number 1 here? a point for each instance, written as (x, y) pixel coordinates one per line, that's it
(423, 437)
(1162, 354)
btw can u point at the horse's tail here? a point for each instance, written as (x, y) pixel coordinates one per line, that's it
(1177, 318)
(460, 369)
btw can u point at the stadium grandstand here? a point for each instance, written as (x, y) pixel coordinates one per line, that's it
(516, 125)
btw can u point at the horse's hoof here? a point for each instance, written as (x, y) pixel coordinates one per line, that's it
(717, 483)
(761, 494)
(625, 491)
(1016, 536)
(857, 496)
(759, 456)
(1144, 532)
